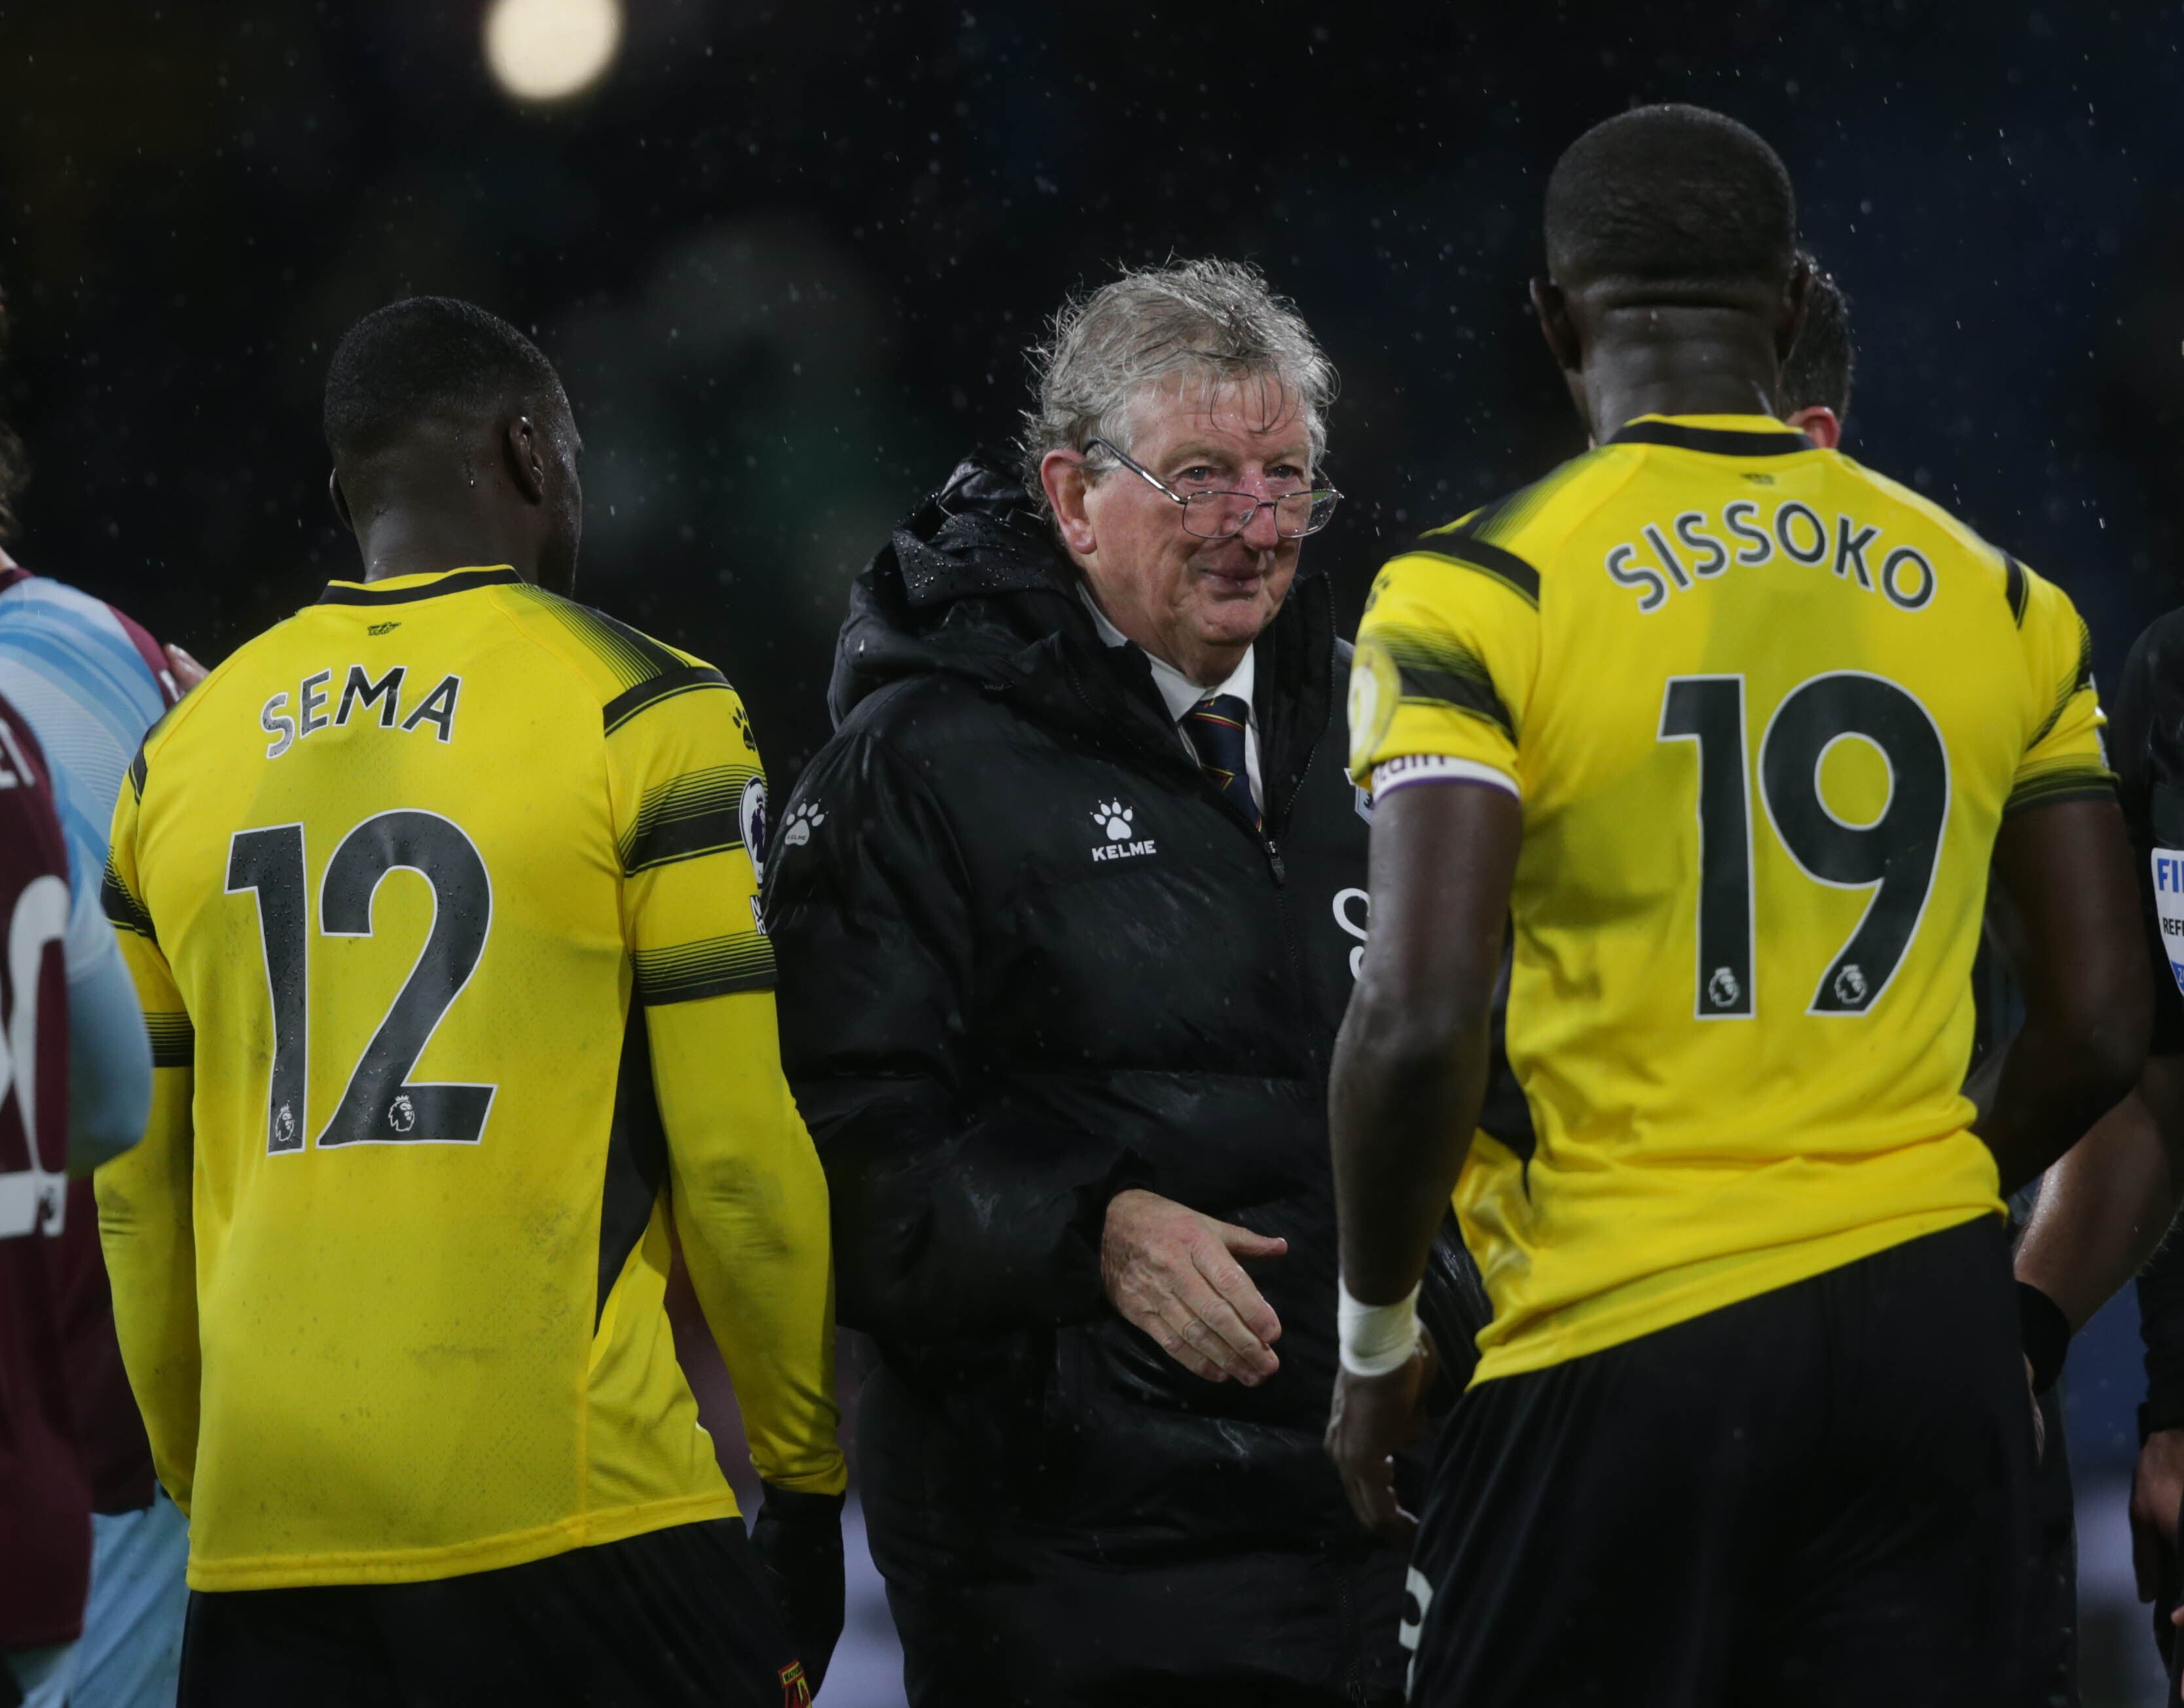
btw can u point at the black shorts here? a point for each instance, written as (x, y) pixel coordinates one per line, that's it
(1817, 1496)
(675, 1617)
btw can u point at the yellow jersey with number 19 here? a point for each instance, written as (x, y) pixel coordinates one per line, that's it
(441, 900)
(1765, 711)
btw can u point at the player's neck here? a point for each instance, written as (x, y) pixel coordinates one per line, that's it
(1679, 363)
(430, 543)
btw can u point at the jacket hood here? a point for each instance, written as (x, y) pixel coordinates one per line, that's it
(971, 582)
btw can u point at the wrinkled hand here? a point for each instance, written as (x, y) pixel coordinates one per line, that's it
(1174, 1274)
(1371, 1419)
(186, 671)
(2157, 1493)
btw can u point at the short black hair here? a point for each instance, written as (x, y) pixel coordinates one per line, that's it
(1670, 194)
(1823, 361)
(430, 358)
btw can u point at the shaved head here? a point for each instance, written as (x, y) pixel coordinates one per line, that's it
(431, 362)
(1670, 195)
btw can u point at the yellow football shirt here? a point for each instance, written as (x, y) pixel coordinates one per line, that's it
(440, 900)
(1764, 711)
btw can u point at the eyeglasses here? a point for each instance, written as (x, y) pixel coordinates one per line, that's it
(1218, 516)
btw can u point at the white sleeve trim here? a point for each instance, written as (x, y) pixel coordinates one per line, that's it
(1438, 768)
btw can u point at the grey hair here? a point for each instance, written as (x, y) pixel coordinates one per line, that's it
(1215, 322)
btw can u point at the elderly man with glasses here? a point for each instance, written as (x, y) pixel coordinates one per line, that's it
(1067, 914)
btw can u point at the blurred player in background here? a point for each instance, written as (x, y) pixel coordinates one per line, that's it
(90, 682)
(1734, 727)
(440, 888)
(2104, 1208)
(68, 1014)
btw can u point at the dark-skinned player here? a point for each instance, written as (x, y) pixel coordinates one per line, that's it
(444, 884)
(1729, 729)
(2104, 1208)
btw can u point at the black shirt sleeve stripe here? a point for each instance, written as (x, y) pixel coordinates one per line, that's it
(681, 680)
(2014, 588)
(2051, 787)
(1486, 559)
(174, 1040)
(697, 813)
(1452, 688)
(124, 912)
(685, 838)
(2080, 674)
(717, 966)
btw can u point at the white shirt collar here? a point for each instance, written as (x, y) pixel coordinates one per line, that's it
(1176, 690)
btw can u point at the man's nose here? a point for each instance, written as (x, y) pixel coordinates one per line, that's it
(1260, 533)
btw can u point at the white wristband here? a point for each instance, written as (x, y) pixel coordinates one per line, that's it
(1376, 1339)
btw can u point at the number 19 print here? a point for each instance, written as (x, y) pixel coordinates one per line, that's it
(1895, 856)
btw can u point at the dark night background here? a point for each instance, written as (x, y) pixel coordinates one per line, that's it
(787, 257)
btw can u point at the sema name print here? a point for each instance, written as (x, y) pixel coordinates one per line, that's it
(360, 693)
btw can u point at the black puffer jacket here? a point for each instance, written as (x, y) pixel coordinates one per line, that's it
(1030, 957)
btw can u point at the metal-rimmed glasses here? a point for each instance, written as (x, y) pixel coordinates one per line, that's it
(1221, 515)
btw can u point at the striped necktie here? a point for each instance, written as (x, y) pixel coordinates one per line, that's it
(1215, 728)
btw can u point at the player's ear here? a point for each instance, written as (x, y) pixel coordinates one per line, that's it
(1552, 304)
(340, 500)
(525, 448)
(1819, 423)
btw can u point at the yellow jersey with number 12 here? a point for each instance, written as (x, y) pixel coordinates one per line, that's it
(1765, 711)
(441, 900)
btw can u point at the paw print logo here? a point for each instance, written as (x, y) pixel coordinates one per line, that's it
(806, 819)
(1115, 819)
(402, 1113)
(744, 728)
(1850, 984)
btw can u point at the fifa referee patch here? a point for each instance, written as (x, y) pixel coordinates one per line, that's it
(2169, 904)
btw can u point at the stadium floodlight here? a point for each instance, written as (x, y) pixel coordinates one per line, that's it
(548, 50)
